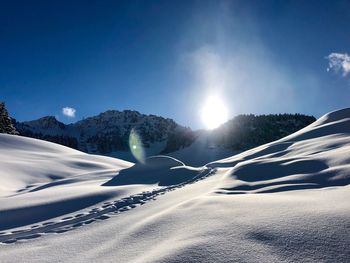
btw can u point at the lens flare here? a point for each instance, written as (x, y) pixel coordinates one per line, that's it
(135, 145)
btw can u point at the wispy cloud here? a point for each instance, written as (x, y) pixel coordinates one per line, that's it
(69, 112)
(245, 78)
(339, 62)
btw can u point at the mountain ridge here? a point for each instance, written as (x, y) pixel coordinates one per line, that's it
(108, 132)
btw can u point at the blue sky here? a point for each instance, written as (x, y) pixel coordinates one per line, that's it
(166, 57)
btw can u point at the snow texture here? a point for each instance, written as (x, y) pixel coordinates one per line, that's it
(286, 201)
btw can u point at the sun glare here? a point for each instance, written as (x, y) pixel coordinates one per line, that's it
(213, 112)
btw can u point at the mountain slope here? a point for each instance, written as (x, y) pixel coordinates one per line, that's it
(108, 133)
(248, 131)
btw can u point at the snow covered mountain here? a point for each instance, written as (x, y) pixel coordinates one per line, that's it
(108, 133)
(286, 201)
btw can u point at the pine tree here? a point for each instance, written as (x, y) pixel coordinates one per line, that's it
(6, 125)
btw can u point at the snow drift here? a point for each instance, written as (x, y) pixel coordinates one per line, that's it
(315, 157)
(161, 170)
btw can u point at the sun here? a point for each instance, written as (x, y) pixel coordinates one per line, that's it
(213, 112)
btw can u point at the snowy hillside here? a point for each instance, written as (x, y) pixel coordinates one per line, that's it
(314, 157)
(286, 201)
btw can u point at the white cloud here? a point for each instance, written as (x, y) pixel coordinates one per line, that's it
(339, 62)
(69, 112)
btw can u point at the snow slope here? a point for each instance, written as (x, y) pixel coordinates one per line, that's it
(201, 152)
(314, 157)
(287, 201)
(41, 180)
(28, 162)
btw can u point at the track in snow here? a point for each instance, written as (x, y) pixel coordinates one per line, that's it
(100, 213)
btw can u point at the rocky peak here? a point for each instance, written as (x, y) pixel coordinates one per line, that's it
(47, 122)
